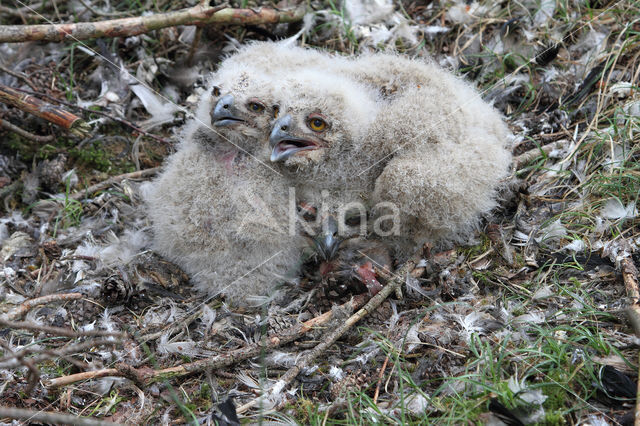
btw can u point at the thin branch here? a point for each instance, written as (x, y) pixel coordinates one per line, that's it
(19, 12)
(17, 130)
(372, 305)
(45, 354)
(57, 331)
(32, 303)
(56, 115)
(34, 373)
(100, 13)
(102, 113)
(115, 179)
(125, 27)
(633, 313)
(145, 376)
(194, 46)
(536, 152)
(332, 336)
(380, 376)
(630, 278)
(33, 416)
(18, 75)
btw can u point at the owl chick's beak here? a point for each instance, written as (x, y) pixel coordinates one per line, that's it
(225, 113)
(283, 143)
(327, 242)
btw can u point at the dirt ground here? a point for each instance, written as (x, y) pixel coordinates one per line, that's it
(529, 324)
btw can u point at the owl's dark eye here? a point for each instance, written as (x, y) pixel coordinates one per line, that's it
(316, 124)
(216, 91)
(255, 106)
(276, 111)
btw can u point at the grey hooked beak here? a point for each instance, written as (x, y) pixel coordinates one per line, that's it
(283, 144)
(223, 113)
(328, 242)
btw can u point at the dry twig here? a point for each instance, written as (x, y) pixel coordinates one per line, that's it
(17, 130)
(18, 75)
(115, 179)
(380, 376)
(332, 336)
(44, 354)
(56, 115)
(32, 416)
(32, 303)
(34, 373)
(145, 376)
(630, 277)
(20, 11)
(125, 27)
(57, 331)
(536, 152)
(101, 113)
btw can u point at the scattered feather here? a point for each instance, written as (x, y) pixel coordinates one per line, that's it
(544, 13)
(161, 109)
(416, 403)
(336, 373)
(553, 231)
(575, 246)
(542, 293)
(614, 209)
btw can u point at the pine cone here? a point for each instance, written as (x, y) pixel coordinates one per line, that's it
(116, 290)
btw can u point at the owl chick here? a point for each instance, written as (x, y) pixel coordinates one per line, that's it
(215, 210)
(236, 110)
(404, 135)
(446, 153)
(316, 141)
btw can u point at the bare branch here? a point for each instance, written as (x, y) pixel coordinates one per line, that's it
(630, 278)
(56, 331)
(115, 179)
(32, 416)
(333, 335)
(125, 27)
(145, 376)
(102, 113)
(32, 303)
(28, 135)
(536, 152)
(18, 75)
(44, 354)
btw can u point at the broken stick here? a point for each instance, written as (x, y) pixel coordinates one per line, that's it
(53, 114)
(630, 278)
(92, 111)
(33, 416)
(19, 131)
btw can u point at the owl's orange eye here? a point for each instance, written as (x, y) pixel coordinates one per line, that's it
(255, 107)
(316, 124)
(216, 91)
(276, 111)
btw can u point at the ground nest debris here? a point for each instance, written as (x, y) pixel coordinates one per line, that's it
(527, 324)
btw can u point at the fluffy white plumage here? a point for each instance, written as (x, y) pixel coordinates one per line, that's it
(426, 143)
(217, 211)
(446, 150)
(376, 128)
(324, 159)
